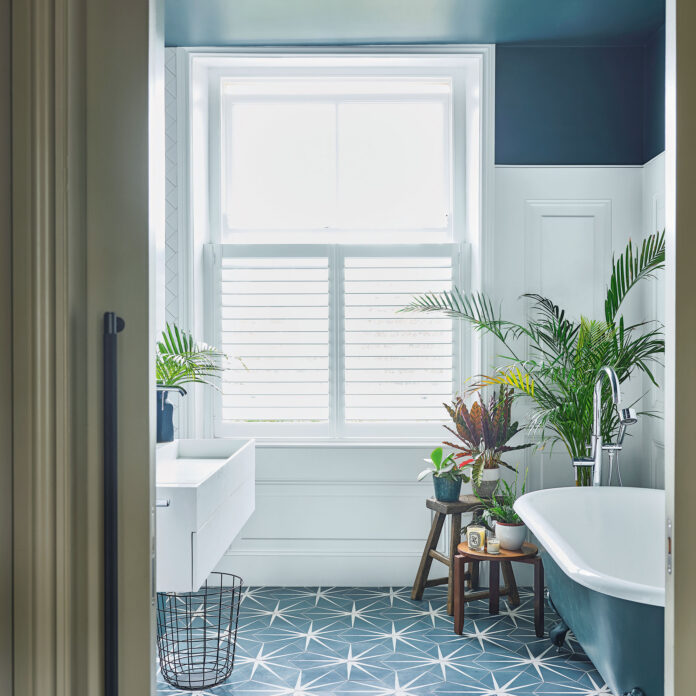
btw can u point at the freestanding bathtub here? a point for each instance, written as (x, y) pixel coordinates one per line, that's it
(604, 561)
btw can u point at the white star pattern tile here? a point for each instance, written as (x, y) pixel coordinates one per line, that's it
(325, 641)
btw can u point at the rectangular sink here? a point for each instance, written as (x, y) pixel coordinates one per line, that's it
(208, 491)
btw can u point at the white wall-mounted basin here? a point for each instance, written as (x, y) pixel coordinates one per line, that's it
(209, 486)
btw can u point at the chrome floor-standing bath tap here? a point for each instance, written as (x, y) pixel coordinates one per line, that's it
(627, 416)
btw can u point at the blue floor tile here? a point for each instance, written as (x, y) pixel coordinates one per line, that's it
(309, 641)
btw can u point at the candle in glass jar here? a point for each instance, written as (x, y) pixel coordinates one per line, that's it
(493, 545)
(476, 537)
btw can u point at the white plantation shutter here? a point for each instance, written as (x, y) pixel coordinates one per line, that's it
(274, 326)
(398, 367)
(324, 348)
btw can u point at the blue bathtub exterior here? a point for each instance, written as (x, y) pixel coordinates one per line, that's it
(624, 639)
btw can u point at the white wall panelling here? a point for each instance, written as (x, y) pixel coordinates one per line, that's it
(335, 516)
(555, 230)
(577, 231)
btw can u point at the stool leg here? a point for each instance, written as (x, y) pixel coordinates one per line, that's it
(455, 540)
(427, 560)
(458, 591)
(539, 597)
(474, 570)
(510, 583)
(494, 588)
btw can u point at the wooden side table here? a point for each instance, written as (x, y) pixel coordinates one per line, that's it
(467, 503)
(529, 553)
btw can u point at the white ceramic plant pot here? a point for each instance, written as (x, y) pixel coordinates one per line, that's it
(489, 481)
(511, 536)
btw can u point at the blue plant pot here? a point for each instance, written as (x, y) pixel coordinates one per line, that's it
(447, 490)
(165, 418)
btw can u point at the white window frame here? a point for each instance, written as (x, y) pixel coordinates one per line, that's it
(335, 428)
(472, 68)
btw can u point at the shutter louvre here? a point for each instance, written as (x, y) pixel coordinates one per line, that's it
(397, 367)
(274, 317)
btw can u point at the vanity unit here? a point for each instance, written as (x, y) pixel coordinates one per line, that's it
(205, 495)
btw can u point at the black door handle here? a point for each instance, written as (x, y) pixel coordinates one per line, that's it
(112, 326)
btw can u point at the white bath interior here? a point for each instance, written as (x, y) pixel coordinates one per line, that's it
(609, 539)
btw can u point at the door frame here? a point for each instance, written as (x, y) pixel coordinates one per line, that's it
(85, 162)
(5, 354)
(680, 373)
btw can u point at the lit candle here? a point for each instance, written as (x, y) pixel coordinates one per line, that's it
(493, 545)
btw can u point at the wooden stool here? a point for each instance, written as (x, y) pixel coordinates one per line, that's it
(467, 503)
(527, 554)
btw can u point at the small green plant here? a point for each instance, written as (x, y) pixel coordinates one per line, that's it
(501, 506)
(445, 468)
(484, 431)
(181, 360)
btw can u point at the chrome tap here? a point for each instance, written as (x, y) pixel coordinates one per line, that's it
(596, 449)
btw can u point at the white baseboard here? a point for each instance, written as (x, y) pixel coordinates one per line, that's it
(326, 569)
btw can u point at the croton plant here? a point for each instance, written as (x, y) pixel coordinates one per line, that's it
(483, 431)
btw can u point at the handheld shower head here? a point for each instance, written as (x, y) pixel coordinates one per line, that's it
(627, 416)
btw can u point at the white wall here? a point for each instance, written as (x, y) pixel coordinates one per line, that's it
(334, 515)
(556, 228)
(654, 220)
(351, 514)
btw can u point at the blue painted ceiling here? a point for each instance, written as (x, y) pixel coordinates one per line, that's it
(225, 22)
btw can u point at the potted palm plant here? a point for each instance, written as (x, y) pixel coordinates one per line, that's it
(447, 476)
(563, 356)
(181, 360)
(484, 431)
(499, 510)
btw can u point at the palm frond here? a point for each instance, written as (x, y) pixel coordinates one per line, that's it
(476, 308)
(181, 360)
(511, 376)
(632, 266)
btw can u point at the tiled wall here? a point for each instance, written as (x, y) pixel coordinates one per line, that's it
(171, 190)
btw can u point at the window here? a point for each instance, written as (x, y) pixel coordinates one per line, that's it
(307, 159)
(336, 192)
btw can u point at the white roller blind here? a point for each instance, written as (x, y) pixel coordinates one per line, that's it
(274, 318)
(368, 159)
(397, 367)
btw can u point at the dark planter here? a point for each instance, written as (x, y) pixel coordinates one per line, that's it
(447, 490)
(165, 418)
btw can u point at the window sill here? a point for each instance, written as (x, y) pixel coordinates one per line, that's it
(317, 443)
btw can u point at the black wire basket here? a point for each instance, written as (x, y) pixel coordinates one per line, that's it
(197, 633)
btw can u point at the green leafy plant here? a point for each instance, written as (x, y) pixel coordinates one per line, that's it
(484, 431)
(501, 507)
(441, 467)
(564, 355)
(181, 360)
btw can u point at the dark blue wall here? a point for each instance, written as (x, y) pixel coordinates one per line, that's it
(654, 111)
(569, 105)
(579, 105)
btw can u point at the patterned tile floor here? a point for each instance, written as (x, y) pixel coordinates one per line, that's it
(376, 641)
